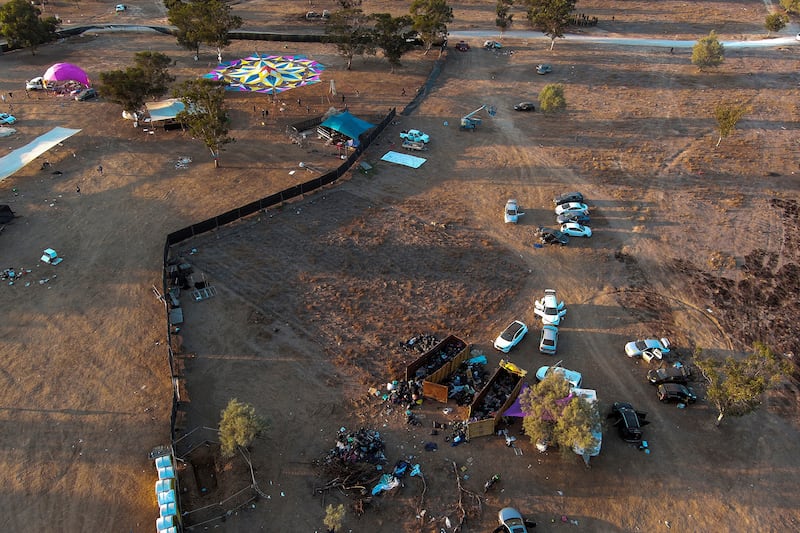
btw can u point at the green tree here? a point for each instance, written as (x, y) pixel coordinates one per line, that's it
(551, 98)
(219, 21)
(736, 386)
(390, 34)
(204, 21)
(127, 88)
(351, 30)
(187, 19)
(775, 22)
(205, 113)
(708, 52)
(504, 20)
(431, 18)
(333, 516)
(148, 78)
(551, 17)
(791, 6)
(22, 26)
(728, 115)
(554, 418)
(154, 67)
(239, 425)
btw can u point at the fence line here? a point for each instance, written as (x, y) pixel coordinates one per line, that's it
(235, 214)
(228, 217)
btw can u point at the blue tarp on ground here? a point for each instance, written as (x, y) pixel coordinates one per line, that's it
(347, 124)
(403, 159)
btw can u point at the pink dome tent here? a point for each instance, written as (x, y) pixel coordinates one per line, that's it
(65, 72)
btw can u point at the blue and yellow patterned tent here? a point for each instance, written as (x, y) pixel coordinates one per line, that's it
(267, 74)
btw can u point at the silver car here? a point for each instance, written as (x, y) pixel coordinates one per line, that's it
(511, 213)
(654, 346)
(548, 341)
(511, 521)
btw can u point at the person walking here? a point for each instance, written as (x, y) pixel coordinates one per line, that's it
(78, 190)
(100, 169)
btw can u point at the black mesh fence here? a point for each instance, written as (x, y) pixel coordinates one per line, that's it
(235, 214)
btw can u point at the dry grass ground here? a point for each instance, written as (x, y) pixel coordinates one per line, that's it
(314, 297)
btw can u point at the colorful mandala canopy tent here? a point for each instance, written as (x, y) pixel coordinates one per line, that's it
(267, 74)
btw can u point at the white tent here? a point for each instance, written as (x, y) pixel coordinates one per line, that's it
(164, 110)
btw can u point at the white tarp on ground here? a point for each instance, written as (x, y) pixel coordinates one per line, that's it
(22, 156)
(403, 159)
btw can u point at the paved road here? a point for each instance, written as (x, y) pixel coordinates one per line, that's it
(624, 41)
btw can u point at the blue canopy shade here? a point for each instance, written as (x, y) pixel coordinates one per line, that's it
(347, 124)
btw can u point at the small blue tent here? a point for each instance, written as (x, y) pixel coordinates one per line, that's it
(347, 124)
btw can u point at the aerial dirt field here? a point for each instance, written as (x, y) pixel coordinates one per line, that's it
(314, 299)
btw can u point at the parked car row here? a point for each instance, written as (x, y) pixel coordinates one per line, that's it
(572, 215)
(552, 312)
(670, 382)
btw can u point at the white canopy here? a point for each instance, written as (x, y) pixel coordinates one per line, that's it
(165, 109)
(22, 156)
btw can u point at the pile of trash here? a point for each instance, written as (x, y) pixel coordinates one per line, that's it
(470, 377)
(362, 446)
(408, 393)
(420, 343)
(392, 481)
(499, 391)
(13, 274)
(445, 353)
(457, 434)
